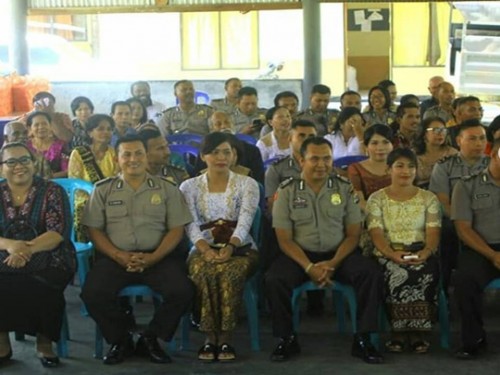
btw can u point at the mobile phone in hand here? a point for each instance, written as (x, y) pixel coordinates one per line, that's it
(410, 257)
(257, 124)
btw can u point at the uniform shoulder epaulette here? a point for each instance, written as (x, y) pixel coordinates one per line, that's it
(168, 180)
(279, 161)
(343, 179)
(301, 113)
(220, 100)
(471, 176)
(446, 158)
(169, 109)
(286, 182)
(204, 106)
(176, 168)
(105, 181)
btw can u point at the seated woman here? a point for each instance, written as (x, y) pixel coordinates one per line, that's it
(50, 152)
(347, 135)
(371, 174)
(138, 113)
(430, 147)
(37, 260)
(82, 108)
(276, 144)
(223, 205)
(92, 163)
(379, 104)
(404, 222)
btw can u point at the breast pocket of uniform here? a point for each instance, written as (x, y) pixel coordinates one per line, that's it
(481, 202)
(115, 213)
(301, 215)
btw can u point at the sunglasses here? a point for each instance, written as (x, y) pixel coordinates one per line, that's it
(437, 130)
(12, 162)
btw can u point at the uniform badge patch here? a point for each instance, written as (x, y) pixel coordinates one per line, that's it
(156, 199)
(336, 199)
(299, 202)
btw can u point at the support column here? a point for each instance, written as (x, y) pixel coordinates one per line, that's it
(18, 47)
(312, 47)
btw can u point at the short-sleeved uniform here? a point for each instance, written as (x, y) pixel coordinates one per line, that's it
(173, 174)
(194, 121)
(445, 174)
(280, 171)
(318, 223)
(437, 111)
(240, 120)
(475, 199)
(324, 121)
(222, 105)
(136, 220)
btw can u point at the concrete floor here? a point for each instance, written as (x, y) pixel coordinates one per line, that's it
(324, 351)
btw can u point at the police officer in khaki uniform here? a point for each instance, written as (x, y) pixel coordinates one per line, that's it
(136, 221)
(187, 117)
(476, 214)
(288, 166)
(158, 155)
(228, 104)
(445, 174)
(318, 111)
(247, 111)
(318, 223)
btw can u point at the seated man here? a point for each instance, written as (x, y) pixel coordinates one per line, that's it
(135, 221)
(228, 104)
(474, 210)
(15, 131)
(318, 111)
(318, 225)
(248, 118)
(121, 112)
(142, 91)
(350, 98)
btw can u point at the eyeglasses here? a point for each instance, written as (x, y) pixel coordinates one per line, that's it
(12, 162)
(437, 130)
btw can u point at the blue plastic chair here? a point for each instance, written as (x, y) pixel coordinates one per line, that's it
(246, 138)
(345, 161)
(200, 97)
(191, 139)
(339, 291)
(83, 249)
(131, 291)
(189, 154)
(250, 295)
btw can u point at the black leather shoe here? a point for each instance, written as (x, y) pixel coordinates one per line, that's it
(472, 352)
(363, 348)
(148, 346)
(49, 362)
(286, 348)
(118, 352)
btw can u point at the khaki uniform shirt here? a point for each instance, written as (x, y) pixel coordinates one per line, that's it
(437, 111)
(241, 120)
(195, 121)
(324, 121)
(317, 222)
(280, 171)
(173, 174)
(447, 172)
(222, 105)
(136, 220)
(477, 199)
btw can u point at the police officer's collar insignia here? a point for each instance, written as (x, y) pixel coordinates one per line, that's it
(444, 159)
(119, 184)
(151, 183)
(155, 199)
(485, 177)
(286, 182)
(106, 180)
(290, 162)
(299, 202)
(336, 199)
(302, 185)
(164, 171)
(329, 183)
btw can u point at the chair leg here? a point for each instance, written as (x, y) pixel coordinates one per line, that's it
(444, 322)
(185, 331)
(351, 300)
(98, 343)
(338, 299)
(252, 315)
(296, 309)
(62, 344)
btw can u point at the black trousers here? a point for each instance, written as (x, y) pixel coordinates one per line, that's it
(448, 251)
(473, 274)
(167, 278)
(361, 272)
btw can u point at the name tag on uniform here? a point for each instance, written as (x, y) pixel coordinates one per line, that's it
(115, 203)
(479, 196)
(299, 202)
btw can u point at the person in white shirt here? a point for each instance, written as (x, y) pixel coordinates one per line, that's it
(277, 143)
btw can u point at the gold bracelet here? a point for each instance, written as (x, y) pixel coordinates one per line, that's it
(309, 266)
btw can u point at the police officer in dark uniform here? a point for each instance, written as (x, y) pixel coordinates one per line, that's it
(446, 173)
(158, 155)
(187, 117)
(135, 221)
(476, 214)
(318, 111)
(318, 223)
